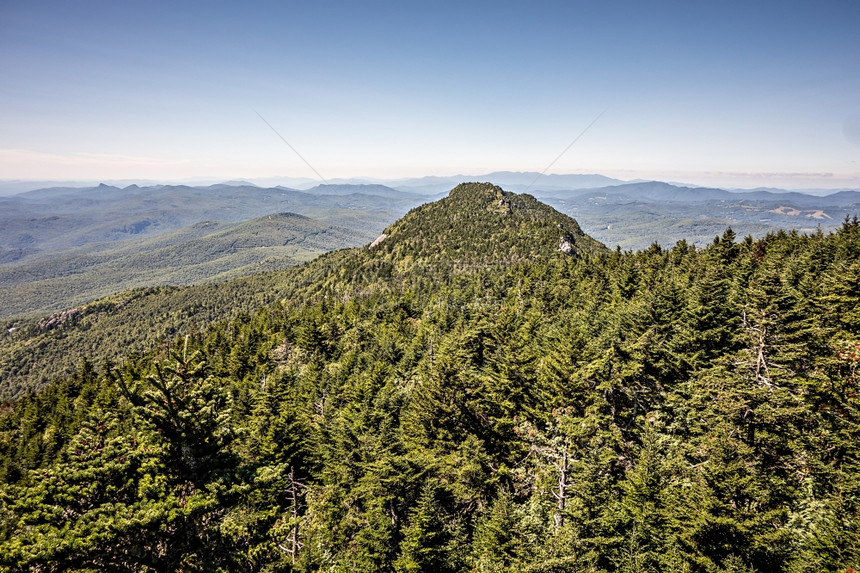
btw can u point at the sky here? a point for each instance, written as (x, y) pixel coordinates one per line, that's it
(736, 94)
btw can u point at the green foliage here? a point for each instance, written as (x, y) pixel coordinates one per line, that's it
(465, 396)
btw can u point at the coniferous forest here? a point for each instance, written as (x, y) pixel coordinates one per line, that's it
(484, 389)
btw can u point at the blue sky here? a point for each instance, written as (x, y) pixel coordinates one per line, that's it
(738, 94)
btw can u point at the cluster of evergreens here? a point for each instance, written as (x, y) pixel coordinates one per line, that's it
(464, 396)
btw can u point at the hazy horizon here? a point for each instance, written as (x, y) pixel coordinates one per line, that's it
(543, 182)
(732, 95)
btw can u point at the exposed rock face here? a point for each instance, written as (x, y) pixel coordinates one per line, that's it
(58, 319)
(378, 240)
(565, 246)
(502, 203)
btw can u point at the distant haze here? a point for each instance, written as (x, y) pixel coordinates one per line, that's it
(521, 182)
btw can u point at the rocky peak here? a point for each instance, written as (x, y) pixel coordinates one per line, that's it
(480, 222)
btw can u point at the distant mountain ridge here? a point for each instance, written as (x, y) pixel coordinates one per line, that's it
(666, 192)
(510, 180)
(54, 219)
(43, 226)
(635, 215)
(519, 181)
(361, 189)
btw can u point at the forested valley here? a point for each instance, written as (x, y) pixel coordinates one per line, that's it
(485, 388)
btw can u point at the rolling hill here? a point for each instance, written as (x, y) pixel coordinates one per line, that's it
(208, 251)
(49, 220)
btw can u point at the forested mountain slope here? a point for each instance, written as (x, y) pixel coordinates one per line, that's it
(62, 247)
(435, 240)
(467, 395)
(209, 251)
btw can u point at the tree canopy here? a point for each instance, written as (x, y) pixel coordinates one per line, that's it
(467, 395)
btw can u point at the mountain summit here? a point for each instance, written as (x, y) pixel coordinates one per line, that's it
(479, 223)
